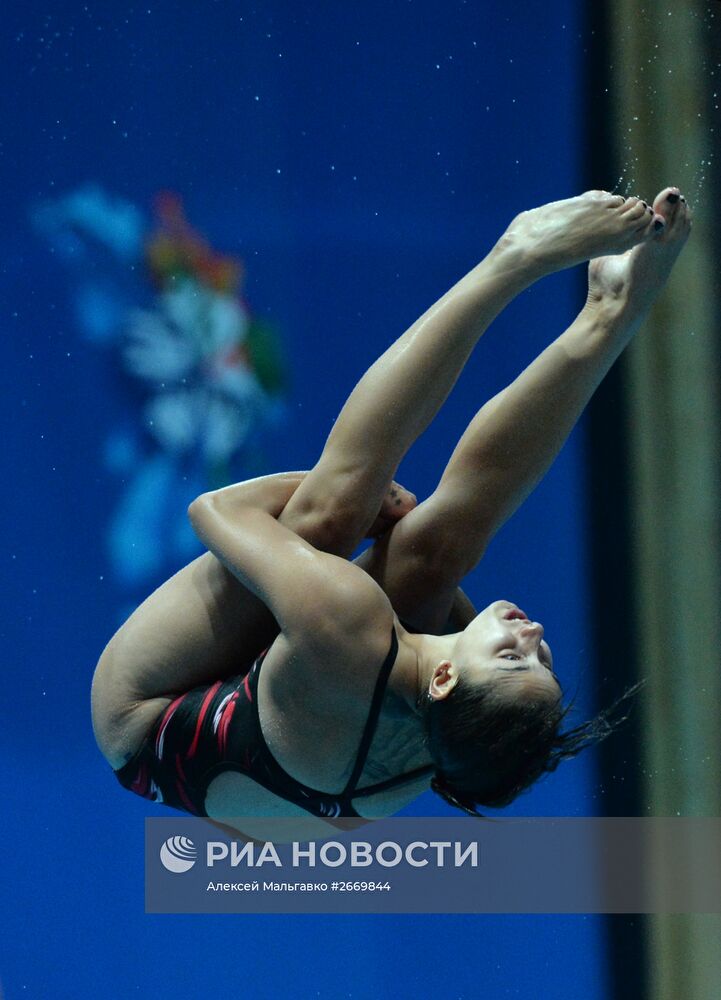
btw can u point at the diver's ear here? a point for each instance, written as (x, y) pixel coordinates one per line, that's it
(443, 681)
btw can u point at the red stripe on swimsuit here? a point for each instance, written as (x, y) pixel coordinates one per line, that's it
(224, 723)
(201, 715)
(165, 719)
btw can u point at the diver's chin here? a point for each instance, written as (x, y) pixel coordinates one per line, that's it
(510, 611)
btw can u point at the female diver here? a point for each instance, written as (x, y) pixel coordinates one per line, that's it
(379, 680)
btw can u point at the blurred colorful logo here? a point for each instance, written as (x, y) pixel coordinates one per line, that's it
(198, 375)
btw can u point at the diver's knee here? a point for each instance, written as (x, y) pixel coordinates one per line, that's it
(437, 542)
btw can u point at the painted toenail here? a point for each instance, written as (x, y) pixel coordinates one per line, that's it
(658, 225)
(673, 198)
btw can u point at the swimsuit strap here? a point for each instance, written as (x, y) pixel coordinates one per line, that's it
(372, 720)
(401, 779)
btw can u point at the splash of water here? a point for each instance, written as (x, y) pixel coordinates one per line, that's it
(696, 172)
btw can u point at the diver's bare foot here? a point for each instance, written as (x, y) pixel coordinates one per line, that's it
(564, 233)
(623, 288)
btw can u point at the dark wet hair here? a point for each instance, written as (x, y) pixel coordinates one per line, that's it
(488, 748)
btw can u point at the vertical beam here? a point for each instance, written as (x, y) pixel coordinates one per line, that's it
(615, 665)
(661, 87)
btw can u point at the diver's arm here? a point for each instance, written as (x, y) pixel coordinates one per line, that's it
(308, 592)
(272, 493)
(268, 493)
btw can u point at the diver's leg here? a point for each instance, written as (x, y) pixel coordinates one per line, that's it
(514, 438)
(401, 393)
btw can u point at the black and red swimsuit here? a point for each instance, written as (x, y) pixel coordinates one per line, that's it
(216, 728)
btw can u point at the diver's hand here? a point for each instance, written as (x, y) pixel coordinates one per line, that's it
(397, 502)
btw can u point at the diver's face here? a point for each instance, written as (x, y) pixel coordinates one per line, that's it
(501, 642)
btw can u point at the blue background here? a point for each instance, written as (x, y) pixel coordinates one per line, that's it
(360, 158)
